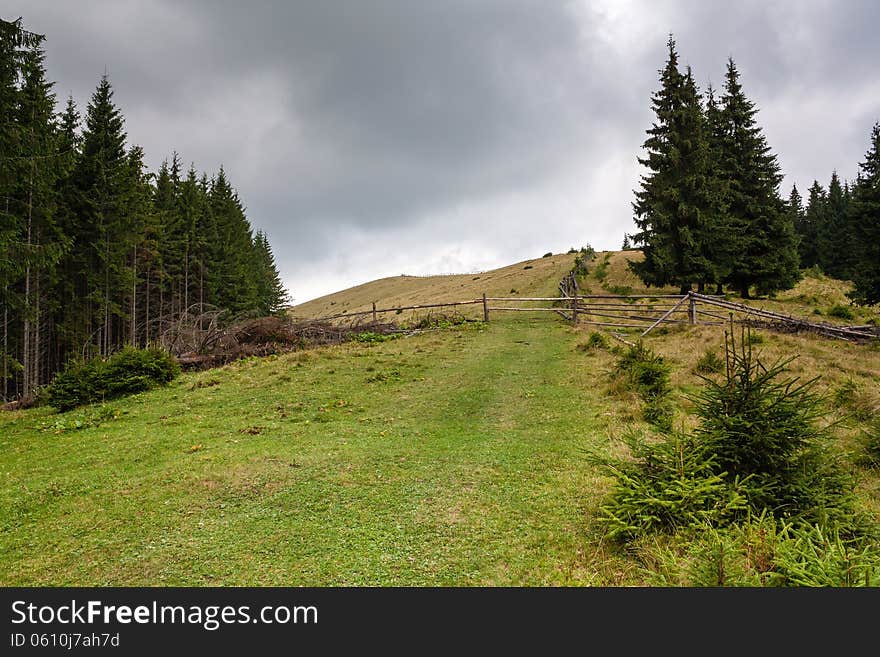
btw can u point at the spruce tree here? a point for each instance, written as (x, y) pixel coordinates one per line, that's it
(64, 281)
(101, 181)
(271, 295)
(836, 238)
(864, 217)
(720, 246)
(191, 206)
(763, 251)
(795, 209)
(812, 230)
(673, 207)
(13, 41)
(43, 242)
(231, 275)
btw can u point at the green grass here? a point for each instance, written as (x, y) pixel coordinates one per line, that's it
(465, 467)
(449, 457)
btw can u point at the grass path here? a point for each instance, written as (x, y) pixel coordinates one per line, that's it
(448, 458)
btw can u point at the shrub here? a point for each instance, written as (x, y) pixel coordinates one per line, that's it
(126, 372)
(647, 374)
(596, 340)
(663, 487)
(660, 412)
(620, 290)
(548, 254)
(841, 312)
(765, 552)
(813, 272)
(757, 450)
(709, 363)
(94, 417)
(371, 337)
(761, 427)
(646, 371)
(871, 443)
(811, 556)
(860, 404)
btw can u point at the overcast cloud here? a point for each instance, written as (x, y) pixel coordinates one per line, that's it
(375, 138)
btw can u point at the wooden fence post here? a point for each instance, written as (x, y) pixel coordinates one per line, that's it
(485, 309)
(574, 309)
(374, 312)
(692, 309)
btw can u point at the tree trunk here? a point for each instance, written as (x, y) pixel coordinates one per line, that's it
(35, 379)
(26, 361)
(5, 342)
(186, 278)
(147, 311)
(134, 287)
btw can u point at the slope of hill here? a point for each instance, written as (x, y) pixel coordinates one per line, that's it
(538, 277)
(815, 297)
(446, 457)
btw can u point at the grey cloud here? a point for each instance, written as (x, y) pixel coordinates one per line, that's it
(409, 126)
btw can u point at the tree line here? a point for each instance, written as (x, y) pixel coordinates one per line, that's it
(96, 252)
(839, 227)
(709, 210)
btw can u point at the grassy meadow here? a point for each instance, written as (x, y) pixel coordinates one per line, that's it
(454, 456)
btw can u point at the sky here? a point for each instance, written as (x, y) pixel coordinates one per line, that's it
(373, 138)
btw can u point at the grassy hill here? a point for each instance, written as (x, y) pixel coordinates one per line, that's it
(815, 297)
(445, 457)
(538, 277)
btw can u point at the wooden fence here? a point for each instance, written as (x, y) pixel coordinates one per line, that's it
(639, 311)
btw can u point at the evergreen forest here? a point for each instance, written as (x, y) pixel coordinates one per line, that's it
(97, 252)
(709, 209)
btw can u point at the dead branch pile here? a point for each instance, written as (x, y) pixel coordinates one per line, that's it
(788, 324)
(213, 346)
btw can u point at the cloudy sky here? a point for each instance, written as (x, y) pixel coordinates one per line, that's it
(373, 138)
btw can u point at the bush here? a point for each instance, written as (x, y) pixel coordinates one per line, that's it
(548, 254)
(595, 341)
(665, 486)
(126, 372)
(871, 443)
(762, 428)
(647, 374)
(709, 363)
(841, 312)
(620, 290)
(371, 337)
(756, 451)
(861, 405)
(765, 552)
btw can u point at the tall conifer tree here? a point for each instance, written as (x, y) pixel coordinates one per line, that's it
(673, 206)
(864, 217)
(101, 180)
(35, 195)
(764, 247)
(271, 294)
(836, 239)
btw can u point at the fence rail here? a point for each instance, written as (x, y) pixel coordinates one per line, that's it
(636, 311)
